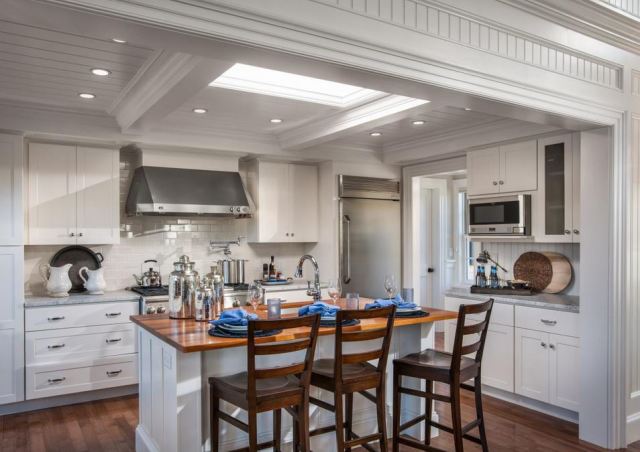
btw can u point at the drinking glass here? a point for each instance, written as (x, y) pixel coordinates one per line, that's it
(255, 295)
(274, 308)
(390, 286)
(353, 300)
(334, 290)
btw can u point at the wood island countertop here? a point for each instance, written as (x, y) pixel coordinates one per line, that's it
(191, 336)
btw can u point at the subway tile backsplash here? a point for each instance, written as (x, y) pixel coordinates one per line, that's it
(166, 239)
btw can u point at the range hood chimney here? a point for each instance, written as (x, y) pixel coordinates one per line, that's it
(187, 192)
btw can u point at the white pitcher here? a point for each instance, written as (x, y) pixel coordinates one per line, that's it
(57, 278)
(94, 282)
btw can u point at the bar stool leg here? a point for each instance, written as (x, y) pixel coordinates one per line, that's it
(252, 419)
(214, 421)
(480, 414)
(296, 428)
(396, 409)
(381, 406)
(303, 424)
(277, 429)
(348, 417)
(339, 421)
(428, 406)
(454, 389)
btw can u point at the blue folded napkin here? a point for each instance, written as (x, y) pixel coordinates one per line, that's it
(319, 307)
(385, 302)
(235, 317)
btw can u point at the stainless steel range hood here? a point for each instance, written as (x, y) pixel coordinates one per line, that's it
(174, 191)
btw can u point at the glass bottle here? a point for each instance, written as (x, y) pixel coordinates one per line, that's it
(493, 278)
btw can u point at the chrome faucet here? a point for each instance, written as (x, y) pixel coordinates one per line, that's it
(315, 292)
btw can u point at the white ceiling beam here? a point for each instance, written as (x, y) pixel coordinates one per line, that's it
(385, 110)
(456, 142)
(163, 84)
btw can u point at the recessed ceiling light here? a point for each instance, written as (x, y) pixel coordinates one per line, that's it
(418, 122)
(100, 72)
(87, 95)
(200, 111)
(467, 108)
(119, 41)
(376, 134)
(275, 121)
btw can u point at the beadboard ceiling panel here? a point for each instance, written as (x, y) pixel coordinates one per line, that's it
(52, 67)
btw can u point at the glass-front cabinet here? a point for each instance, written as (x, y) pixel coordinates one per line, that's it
(556, 210)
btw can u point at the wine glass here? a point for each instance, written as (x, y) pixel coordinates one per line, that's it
(390, 286)
(255, 295)
(334, 290)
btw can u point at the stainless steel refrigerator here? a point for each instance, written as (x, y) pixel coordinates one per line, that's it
(370, 240)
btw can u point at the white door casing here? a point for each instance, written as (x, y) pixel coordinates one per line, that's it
(12, 218)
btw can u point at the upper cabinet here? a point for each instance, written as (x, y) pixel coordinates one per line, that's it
(73, 195)
(503, 169)
(556, 209)
(11, 218)
(286, 198)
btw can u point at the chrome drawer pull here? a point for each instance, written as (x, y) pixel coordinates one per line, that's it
(113, 373)
(56, 380)
(54, 346)
(113, 314)
(53, 319)
(549, 322)
(111, 341)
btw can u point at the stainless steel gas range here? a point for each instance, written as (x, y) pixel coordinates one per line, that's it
(155, 300)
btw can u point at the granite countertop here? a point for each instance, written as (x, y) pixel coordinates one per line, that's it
(558, 302)
(80, 298)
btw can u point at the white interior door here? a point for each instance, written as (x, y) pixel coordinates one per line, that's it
(427, 251)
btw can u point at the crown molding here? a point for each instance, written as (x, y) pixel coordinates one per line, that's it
(597, 19)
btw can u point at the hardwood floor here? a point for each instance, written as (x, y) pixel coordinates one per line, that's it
(109, 425)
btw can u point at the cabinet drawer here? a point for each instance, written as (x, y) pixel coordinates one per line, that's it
(46, 381)
(502, 313)
(70, 316)
(550, 321)
(49, 346)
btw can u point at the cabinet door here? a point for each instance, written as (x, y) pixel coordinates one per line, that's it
(11, 325)
(518, 167)
(11, 215)
(532, 364)
(274, 205)
(483, 171)
(564, 355)
(575, 195)
(52, 194)
(98, 213)
(498, 358)
(303, 187)
(554, 207)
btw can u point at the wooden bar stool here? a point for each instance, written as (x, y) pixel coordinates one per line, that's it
(349, 373)
(451, 368)
(268, 389)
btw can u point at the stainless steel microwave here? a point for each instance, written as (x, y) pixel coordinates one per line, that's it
(503, 215)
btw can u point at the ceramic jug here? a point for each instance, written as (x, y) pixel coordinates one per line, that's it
(57, 278)
(94, 281)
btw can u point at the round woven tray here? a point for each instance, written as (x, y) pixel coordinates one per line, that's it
(546, 271)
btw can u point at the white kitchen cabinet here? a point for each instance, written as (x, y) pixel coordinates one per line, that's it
(503, 169)
(73, 195)
(547, 367)
(556, 209)
(11, 215)
(11, 324)
(286, 197)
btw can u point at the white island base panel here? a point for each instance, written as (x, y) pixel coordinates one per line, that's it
(174, 395)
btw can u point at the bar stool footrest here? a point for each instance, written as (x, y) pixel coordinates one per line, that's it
(412, 422)
(361, 440)
(424, 394)
(416, 444)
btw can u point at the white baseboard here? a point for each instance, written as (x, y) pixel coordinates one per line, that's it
(633, 428)
(535, 405)
(67, 399)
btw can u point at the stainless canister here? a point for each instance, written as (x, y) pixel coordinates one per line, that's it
(232, 270)
(183, 283)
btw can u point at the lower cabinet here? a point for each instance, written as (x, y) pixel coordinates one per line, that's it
(547, 367)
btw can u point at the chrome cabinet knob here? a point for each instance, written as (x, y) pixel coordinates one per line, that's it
(543, 344)
(495, 182)
(287, 234)
(576, 231)
(501, 182)
(72, 234)
(292, 234)
(81, 234)
(552, 347)
(567, 231)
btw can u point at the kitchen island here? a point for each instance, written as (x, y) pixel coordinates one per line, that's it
(178, 356)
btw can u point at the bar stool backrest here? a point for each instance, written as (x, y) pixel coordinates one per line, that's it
(343, 336)
(257, 346)
(461, 349)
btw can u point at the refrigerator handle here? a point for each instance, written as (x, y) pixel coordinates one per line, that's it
(346, 278)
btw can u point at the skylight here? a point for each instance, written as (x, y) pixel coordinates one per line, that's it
(243, 77)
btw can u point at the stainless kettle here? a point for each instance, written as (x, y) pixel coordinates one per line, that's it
(151, 277)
